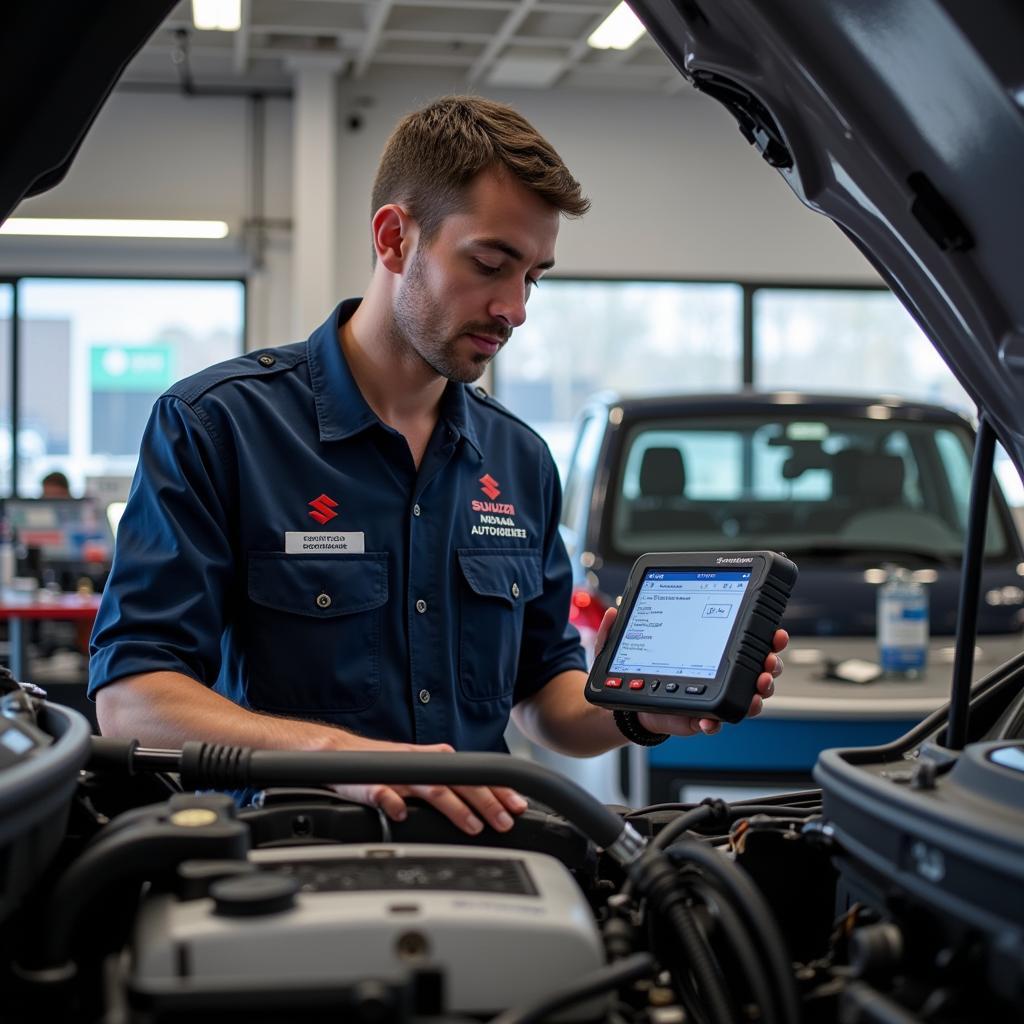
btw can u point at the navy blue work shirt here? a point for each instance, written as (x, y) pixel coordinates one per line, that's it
(280, 545)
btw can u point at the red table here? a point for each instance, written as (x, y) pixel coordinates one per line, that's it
(16, 608)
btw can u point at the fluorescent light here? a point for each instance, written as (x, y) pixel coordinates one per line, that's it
(619, 31)
(85, 228)
(220, 15)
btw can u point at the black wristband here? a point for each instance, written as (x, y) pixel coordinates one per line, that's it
(630, 727)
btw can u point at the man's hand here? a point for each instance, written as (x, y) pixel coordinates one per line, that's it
(464, 806)
(683, 725)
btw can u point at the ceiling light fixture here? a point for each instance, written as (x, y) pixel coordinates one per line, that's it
(85, 228)
(219, 15)
(619, 31)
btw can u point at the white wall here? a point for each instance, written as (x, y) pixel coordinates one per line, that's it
(677, 192)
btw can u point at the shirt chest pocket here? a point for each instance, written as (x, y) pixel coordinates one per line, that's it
(495, 587)
(314, 631)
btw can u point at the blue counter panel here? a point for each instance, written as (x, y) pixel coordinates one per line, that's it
(773, 744)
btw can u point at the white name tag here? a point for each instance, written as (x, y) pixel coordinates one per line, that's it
(323, 543)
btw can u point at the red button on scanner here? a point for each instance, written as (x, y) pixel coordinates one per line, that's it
(615, 683)
(636, 684)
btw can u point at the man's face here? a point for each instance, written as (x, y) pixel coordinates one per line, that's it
(462, 294)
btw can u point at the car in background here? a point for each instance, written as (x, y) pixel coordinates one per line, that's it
(846, 486)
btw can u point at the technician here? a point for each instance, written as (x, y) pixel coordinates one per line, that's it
(342, 544)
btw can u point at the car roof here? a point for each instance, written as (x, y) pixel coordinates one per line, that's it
(776, 403)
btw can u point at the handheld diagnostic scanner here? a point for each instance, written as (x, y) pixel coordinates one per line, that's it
(692, 633)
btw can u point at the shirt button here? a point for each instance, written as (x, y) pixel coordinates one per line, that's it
(415, 510)
(266, 360)
(421, 607)
(424, 696)
(515, 589)
(323, 600)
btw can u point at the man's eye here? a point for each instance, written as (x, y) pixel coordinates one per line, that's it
(486, 268)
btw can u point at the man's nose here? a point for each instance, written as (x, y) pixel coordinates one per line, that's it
(509, 304)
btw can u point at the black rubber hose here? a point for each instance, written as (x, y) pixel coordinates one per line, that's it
(220, 767)
(603, 980)
(735, 934)
(656, 879)
(709, 810)
(700, 960)
(747, 900)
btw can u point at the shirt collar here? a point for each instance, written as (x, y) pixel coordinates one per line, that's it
(341, 410)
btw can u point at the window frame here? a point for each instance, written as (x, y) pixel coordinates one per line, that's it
(15, 353)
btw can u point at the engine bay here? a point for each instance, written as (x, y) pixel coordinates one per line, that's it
(135, 893)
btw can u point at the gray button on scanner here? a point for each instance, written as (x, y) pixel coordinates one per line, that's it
(424, 696)
(323, 600)
(421, 607)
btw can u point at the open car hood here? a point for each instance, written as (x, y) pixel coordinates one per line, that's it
(903, 122)
(59, 60)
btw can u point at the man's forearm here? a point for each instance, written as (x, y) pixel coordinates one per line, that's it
(560, 717)
(166, 709)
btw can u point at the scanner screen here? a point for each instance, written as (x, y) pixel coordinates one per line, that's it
(680, 623)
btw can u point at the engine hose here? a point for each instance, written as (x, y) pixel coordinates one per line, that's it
(655, 878)
(747, 901)
(743, 949)
(707, 811)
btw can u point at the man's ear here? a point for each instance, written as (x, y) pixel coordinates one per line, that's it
(394, 237)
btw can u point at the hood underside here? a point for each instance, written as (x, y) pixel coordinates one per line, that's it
(903, 122)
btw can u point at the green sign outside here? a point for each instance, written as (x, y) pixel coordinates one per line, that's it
(124, 368)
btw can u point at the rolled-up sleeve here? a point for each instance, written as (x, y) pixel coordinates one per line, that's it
(164, 606)
(550, 645)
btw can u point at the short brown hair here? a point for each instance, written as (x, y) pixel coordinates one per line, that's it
(434, 154)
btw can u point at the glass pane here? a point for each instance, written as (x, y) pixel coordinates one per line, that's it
(636, 337)
(6, 312)
(94, 356)
(828, 487)
(860, 342)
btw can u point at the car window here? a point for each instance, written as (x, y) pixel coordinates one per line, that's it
(813, 485)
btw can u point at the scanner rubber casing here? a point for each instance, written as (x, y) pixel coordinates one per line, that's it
(726, 697)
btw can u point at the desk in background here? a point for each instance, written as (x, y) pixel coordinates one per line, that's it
(808, 714)
(17, 609)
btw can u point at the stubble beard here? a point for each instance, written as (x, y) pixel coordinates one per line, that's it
(418, 326)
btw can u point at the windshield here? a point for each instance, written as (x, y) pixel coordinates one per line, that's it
(811, 486)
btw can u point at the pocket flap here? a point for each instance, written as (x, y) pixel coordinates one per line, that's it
(512, 574)
(323, 586)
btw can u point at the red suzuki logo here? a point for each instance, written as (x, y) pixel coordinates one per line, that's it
(490, 486)
(323, 509)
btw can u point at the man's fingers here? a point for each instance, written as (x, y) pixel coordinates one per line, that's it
(451, 806)
(384, 797)
(604, 629)
(512, 800)
(674, 725)
(486, 803)
(780, 640)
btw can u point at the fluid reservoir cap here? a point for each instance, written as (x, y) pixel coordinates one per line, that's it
(196, 876)
(253, 895)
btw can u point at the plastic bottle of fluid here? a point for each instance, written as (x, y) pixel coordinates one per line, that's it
(902, 625)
